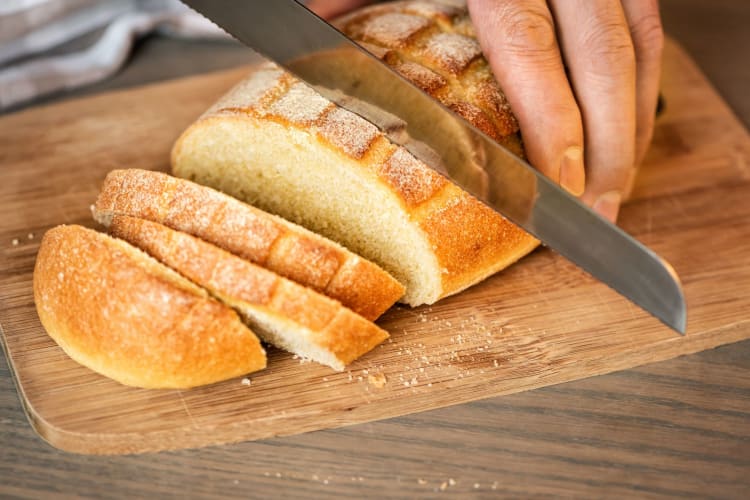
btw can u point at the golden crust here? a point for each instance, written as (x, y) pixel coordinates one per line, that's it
(414, 181)
(118, 312)
(255, 290)
(471, 241)
(390, 29)
(257, 236)
(445, 45)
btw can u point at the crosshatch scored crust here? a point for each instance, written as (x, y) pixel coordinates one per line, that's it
(250, 233)
(434, 46)
(467, 240)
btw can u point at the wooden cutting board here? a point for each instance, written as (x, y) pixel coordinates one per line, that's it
(540, 322)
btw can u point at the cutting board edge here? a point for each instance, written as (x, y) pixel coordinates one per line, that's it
(189, 436)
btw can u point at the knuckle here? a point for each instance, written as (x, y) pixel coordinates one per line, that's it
(610, 49)
(529, 30)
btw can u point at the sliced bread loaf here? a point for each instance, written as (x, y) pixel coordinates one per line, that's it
(119, 312)
(285, 248)
(279, 144)
(282, 312)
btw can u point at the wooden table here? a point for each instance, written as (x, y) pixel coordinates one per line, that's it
(676, 428)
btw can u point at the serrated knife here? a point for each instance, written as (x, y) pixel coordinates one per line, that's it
(285, 31)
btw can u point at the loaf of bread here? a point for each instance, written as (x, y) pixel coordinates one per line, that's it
(279, 144)
(262, 238)
(281, 312)
(119, 312)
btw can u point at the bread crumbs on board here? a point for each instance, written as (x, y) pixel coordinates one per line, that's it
(377, 380)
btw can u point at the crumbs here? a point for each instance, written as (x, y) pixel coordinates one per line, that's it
(458, 348)
(377, 380)
(17, 241)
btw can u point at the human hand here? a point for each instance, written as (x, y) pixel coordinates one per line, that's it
(601, 113)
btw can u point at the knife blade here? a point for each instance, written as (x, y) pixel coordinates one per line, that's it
(285, 31)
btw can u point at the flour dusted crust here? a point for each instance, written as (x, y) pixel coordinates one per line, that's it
(117, 311)
(282, 312)
(272, 141)
(434, 46)
(250, 233)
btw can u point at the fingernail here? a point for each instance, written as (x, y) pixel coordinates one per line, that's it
(572, 174)
(608, 205)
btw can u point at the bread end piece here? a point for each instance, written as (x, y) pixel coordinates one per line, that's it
(117, 311)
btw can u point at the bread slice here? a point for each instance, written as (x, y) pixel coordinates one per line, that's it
(117, 311)
(278, 144)
(285, 248)
(282, 312)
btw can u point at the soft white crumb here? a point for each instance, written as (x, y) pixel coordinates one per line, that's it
(246, 381)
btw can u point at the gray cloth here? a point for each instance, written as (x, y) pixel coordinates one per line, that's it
(32, 32)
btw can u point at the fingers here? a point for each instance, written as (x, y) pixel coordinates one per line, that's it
(648, 40)
(328, 9)
(518, 39)
(599, 53)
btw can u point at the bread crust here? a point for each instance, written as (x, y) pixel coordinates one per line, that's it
(443, 57)
(117, 311)
(256, 292)
(283, 247)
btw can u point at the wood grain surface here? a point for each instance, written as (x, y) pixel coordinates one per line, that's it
(541, 322)
(675, 428)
